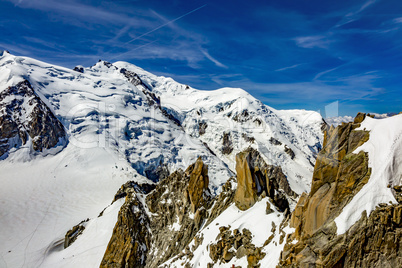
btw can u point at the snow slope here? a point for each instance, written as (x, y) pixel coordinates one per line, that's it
(43, 198)
(384, 148)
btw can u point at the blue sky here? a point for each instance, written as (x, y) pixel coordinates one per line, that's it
(288, 53)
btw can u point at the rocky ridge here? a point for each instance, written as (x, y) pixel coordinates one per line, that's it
(181, 205)
(177, 210)
(158, 222)
(131, 239)
(339, 174)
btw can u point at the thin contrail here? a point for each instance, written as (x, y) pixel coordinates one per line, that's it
(163, 25)
(153, 30)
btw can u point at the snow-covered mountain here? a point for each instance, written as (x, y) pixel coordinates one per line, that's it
(188, 159)
(120, 123)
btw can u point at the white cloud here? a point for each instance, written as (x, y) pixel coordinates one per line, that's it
(397, 20)
(354, 15)
(325, 72)
(350, 88)
(288, 67)
(73, 10)
(320, 41)
(217, 63)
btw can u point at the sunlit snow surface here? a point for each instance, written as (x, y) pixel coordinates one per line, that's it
(113, 135)
(385, 158)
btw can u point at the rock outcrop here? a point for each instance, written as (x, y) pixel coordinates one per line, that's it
(142, 188)
(227, 144)
(23, 116)
(274, 141)
(338, 175)
(248, 138)
(152, 98)
(235, 244)
(290, 152)
(73, 234)
(198, 184)
(131, 238)
(224, 200)
(256, 178)
(246, 192)
(178, 208)
(162, 226)
(202, 126)
(373, 241)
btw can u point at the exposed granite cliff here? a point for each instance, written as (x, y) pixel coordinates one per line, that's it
(338, 175)
(179, 207)
(373, 241)
(255, 177)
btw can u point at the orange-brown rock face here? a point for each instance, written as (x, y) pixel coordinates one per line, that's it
(198, 183)
(131, 238)
(374, 241)
(255, 178)
(246, 192)
(338, 175)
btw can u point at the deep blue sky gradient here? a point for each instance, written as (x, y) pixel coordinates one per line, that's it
(288, 53)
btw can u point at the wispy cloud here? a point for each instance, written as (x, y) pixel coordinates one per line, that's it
(306, 59)
(355, 15)
(349, 88)
(288, 67)
(397, 20)
(166, 47)
(325, 72)
(78, 10)
(314, 41)
(139, 34)
(208, 56)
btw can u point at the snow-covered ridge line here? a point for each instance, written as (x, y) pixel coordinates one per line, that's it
(101, 107)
